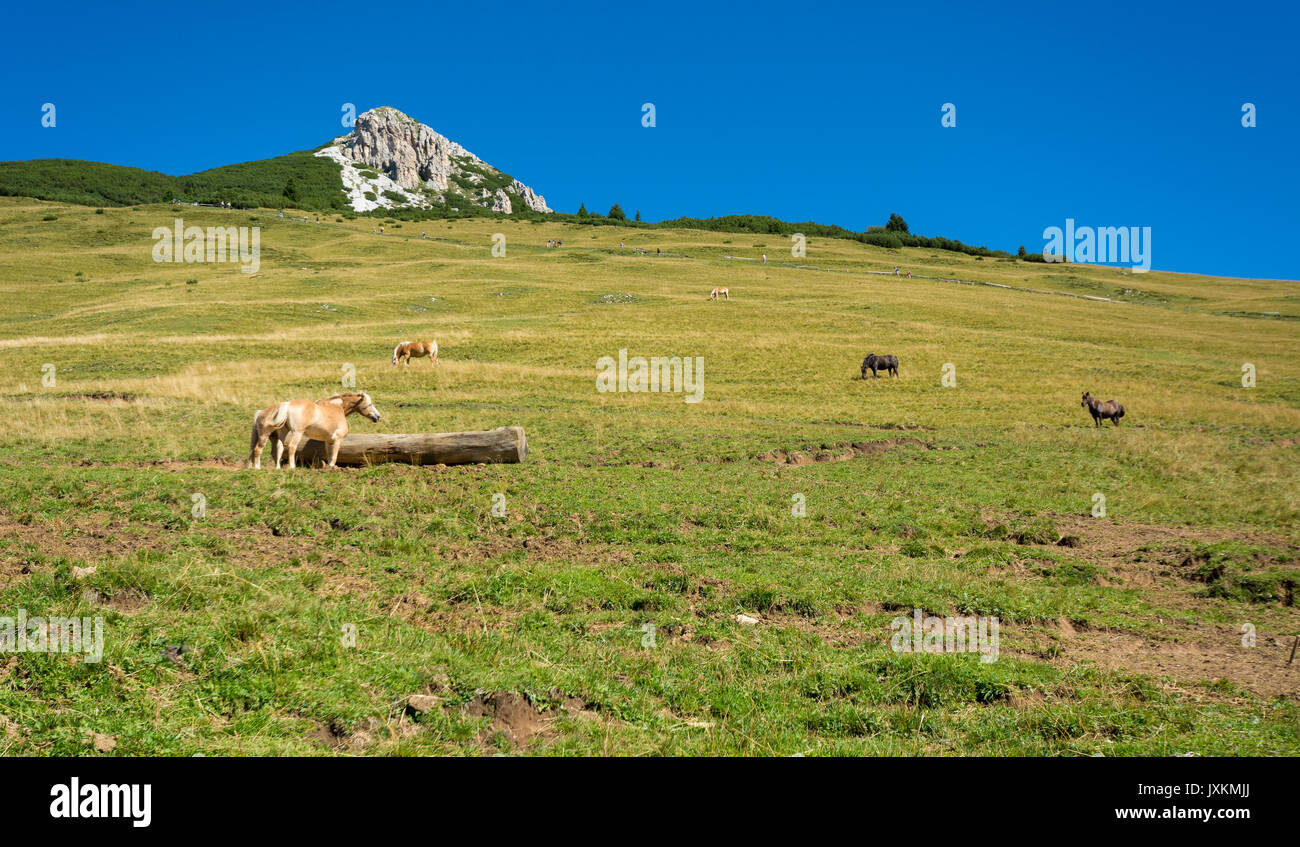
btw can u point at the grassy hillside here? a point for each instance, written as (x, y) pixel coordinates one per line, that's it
(295, 179)
(309, 182)
(227, 633)
(87, 183)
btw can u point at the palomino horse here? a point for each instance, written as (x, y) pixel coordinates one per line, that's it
(289, 422)
(875, 363)
(719, 292)
(1100, 411)
(416, 349)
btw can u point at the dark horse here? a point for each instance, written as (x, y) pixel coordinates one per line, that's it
(874, 363)
(1100, 411)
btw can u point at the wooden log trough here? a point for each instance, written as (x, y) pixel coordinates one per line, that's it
(505, 444)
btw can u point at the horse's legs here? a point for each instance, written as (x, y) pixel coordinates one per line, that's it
(279, 449)
(292, 447)
(334, 452)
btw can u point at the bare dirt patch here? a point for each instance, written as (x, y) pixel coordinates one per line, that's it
(221, 462)
(1186, 650)
(515, 717)
(366, 734)
(96, 538)
(1147, 556)
(124, 600)
(88, 539)
(842, 451)
(1191, 653)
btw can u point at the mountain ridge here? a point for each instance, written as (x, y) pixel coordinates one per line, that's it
(389, 155)
(388, 161)
(392, 165)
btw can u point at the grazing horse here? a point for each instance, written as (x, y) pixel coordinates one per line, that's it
(416, 349)
(875, 363)
(289, 422)
(1100, 411)
(719, 292)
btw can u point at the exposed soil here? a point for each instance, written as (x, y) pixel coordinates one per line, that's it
(515, 717)
(1186, 652)
(95, 538)
(1146, 556)
(1185, 656)
(340, 739)
(842, 451)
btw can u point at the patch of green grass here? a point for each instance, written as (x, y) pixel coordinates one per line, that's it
(299, 613)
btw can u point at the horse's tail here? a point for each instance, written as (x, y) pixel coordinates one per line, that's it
(280, 416)
(257, 428)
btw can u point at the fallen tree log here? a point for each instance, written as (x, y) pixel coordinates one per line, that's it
(503, 444)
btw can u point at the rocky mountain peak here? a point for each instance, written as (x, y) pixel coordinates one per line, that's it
(391, 160)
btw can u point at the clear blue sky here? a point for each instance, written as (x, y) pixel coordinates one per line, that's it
(1111, 113)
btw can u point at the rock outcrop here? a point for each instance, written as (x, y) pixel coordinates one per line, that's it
(390, 160)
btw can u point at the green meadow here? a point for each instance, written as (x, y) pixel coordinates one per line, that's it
(668, 578)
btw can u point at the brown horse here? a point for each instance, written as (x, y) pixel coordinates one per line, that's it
(1100, 411)
(289, 422)
(875, 363)
(719, 292)
(408, 350)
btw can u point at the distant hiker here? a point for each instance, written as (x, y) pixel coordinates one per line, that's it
(895, 270)
(620, 245)
(656, 251)
(765, 258)
(909, 274)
